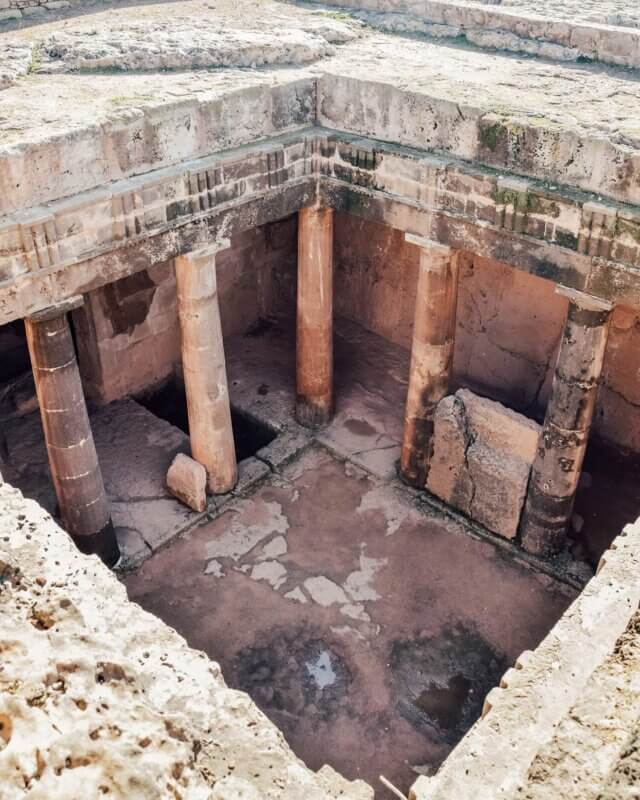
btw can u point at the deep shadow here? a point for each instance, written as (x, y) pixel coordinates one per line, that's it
(169, 402)
(608, 498)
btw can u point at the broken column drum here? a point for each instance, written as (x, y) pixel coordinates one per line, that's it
(205, 374)
(431, 354)
(563, 439)
(314, 330)
(73, 460)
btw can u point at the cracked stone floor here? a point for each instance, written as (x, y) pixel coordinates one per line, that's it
(365, 623)
(368, 630)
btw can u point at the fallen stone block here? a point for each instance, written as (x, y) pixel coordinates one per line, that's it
(482, 459)
(187, 480)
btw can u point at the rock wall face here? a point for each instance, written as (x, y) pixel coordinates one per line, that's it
(509, 324)
(128, 333)
(100, 698)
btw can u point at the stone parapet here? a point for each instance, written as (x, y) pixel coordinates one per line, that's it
(497, 758)
(547, 33)
(100, 696)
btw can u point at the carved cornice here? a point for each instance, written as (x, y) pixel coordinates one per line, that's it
(565, 235)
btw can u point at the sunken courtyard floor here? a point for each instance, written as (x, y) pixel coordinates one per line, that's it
(368, 630)
(364, 621)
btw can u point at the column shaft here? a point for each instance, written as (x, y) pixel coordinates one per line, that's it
(431, 354)
(73, 460)
(205, 375)
(563, 439)
(314, 336)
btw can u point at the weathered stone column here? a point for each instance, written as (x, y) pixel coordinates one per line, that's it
(314, 336)
(205, 374)
(563, 439)
(431, 354)
(77, 479)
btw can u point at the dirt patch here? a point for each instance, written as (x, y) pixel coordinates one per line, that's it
(441, 682)
(297, 672)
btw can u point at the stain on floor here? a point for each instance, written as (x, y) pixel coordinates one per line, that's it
(366, 629)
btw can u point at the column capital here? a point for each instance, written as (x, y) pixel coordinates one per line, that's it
(428, 244)
(207, 251)
(588, 302)
(57, 310)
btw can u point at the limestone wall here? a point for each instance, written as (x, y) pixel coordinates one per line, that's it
(509, 325)
(128, 334)
(100, 698)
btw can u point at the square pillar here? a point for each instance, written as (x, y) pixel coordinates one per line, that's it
(431, 354)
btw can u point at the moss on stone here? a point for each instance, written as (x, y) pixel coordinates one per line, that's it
(567, 239)
(490, 135)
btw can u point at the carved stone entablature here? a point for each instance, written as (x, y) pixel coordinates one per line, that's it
(561, 234)
(77, 228)
(560, 216)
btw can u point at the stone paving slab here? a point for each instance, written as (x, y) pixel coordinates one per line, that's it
(135, 450)
(371, 380)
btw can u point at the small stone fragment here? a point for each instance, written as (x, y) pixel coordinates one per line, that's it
(187, 480)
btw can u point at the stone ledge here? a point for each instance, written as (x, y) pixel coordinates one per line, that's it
(513, 29)
(561, 234)
(494, 758)
(98, 693)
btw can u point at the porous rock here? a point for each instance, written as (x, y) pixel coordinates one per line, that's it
(100, 698)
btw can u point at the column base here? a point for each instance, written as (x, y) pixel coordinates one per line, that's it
(544, 524)
(219, 486)
(417, 449)
(416, 478)
(312, 414)
(103, 544)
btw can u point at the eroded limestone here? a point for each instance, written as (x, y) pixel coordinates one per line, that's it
(98, 693)
(482, 457)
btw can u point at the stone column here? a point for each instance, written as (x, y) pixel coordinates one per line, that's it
(205, 374)
(431, 354)
(77, 479)
(314, 335)
(563, 439)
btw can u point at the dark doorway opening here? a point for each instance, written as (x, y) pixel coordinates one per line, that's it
(169, 402)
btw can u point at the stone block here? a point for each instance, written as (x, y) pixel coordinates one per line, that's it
(482, 459)
(187, 480)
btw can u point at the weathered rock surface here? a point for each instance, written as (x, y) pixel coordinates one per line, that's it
(187, 480)
(99, 698)
(15, 61)
(564, 722)
(598, 30)
(481, 459)
(187, 43)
